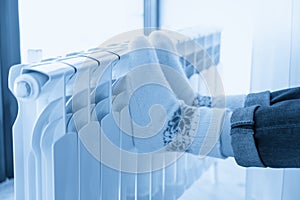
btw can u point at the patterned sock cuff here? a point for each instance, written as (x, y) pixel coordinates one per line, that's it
(181, 129)
(207, 139)
(201, 101)
(195, 130)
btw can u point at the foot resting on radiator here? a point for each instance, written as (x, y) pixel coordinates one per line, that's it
(157, 109)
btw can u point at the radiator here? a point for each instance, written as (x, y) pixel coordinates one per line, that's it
(50, 160)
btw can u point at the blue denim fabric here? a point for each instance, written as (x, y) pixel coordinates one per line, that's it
(243, 144)
(275, 129)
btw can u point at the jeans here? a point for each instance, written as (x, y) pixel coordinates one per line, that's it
(266, 132)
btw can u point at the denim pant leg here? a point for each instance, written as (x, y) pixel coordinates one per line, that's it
(278, 130)
(266, 132)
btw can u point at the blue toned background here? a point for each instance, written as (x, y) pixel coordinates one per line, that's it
(260, 45)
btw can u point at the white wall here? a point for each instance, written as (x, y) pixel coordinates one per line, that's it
(271, 44)
(295, 45)
(61, 26)
(275, 65)
(235, 18)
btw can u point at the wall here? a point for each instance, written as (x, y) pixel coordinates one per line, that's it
(235, 18)
(59, 27)
(275, 65)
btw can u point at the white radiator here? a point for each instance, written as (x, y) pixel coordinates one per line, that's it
(51, 162)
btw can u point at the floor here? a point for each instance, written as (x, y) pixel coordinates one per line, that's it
(225, 180)
(7, 190)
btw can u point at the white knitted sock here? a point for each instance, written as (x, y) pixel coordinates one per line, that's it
(171, 67)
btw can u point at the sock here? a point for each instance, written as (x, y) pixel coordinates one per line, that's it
(144, 96)
(225, 141)
(169, 60)
(196, 130)
(232, 102)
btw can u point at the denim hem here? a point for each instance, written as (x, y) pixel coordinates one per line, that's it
(242, 140)
(242, 130)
